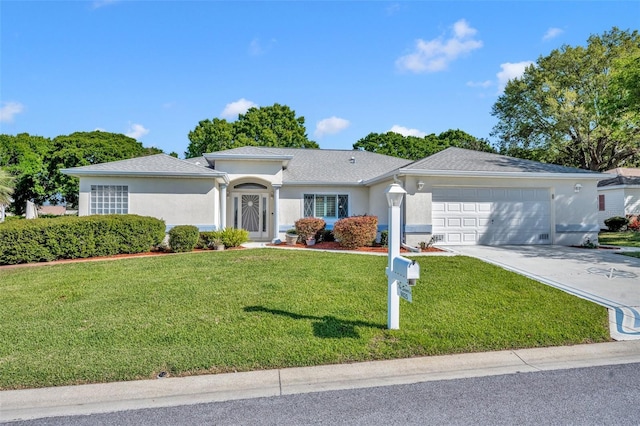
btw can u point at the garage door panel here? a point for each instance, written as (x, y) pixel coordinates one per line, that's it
(469, 222)
(492, 215)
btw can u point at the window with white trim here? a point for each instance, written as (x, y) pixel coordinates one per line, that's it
(330, 206)
(109, 199)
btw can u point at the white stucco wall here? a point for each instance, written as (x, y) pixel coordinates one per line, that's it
(292, 208)
(614, 204)
(251, 170)
(176, 201)
(632, 201)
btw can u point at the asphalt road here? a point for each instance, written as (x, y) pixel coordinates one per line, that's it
(582, 396)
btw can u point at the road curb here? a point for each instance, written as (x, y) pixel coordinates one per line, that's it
(30, 404)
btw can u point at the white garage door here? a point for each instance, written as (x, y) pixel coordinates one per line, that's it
(491, 216)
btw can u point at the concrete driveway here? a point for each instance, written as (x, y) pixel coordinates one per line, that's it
(601, 276)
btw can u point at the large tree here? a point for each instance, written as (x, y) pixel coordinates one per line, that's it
(25, 158)
(275, 125)
(35, 161)
(415, 148)
(83, 149)
(578, 106)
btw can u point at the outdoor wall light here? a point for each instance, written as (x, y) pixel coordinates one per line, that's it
(577, 188)
(420, 185)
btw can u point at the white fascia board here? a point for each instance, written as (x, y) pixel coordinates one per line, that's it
(612, 187)
(91, 173)
(471, 173)
(323, 183)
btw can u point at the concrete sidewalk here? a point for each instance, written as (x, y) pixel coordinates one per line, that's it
(109, 397)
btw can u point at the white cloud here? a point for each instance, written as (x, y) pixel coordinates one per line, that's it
(330, 126)
(510, 71)
(101, 3)
(9, 110)
(404, 131)
(393, 8)
(136, 131)
(552, 33)
(436, 55)
(257, 47)
(233, 109)
(483, 84)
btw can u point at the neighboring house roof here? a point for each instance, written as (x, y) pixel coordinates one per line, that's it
(464, 162)
(152, 165)
(625, 171)
(319, 166)
(624, 177)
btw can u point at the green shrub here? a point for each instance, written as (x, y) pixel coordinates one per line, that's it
(183, 238)
(70, 237)
(327, 235)
(206, 239)
(384, 238)
(309, 227)
(232, 237)
(356, 231)
(616, 223)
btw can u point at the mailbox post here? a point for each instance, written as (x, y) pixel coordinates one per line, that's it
(400, 270)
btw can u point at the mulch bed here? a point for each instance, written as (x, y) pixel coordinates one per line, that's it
(332, 245)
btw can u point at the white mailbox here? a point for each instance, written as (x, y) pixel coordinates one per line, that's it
(406, 270)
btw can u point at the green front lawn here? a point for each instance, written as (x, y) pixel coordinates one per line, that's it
(264, 308)
(629, 239)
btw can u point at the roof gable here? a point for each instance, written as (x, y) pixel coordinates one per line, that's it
(152, 165)
(459, 159)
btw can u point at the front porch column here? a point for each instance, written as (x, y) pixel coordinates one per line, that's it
(223, 205)
(276, 212)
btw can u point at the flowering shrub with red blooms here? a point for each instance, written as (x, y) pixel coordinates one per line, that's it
(309, 227)
(634, 222)
(356, 231)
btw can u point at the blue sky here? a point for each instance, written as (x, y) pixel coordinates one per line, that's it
(154, 69)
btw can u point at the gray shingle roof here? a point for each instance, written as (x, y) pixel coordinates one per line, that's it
(323, 166)
(620, 180)
(458, 159)
(152, 165)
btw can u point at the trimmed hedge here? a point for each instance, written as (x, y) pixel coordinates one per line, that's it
(356, 231)
(183, 238)
(41, 240)
(309, 227)
(616, 223)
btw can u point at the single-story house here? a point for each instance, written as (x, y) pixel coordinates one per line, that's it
(619, 195)
(456, 196)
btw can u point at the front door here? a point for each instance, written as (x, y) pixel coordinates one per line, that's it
(253, 215)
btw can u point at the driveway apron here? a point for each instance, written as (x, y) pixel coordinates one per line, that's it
(601, 276)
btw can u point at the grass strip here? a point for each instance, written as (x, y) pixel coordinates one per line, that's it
(628, 238)
(264, 308)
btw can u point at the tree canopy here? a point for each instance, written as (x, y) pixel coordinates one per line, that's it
(415, 148)
(275, 126)
(35, 162)
(578, 106)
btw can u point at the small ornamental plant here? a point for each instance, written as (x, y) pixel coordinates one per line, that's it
(309, 227)
(356, 231)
